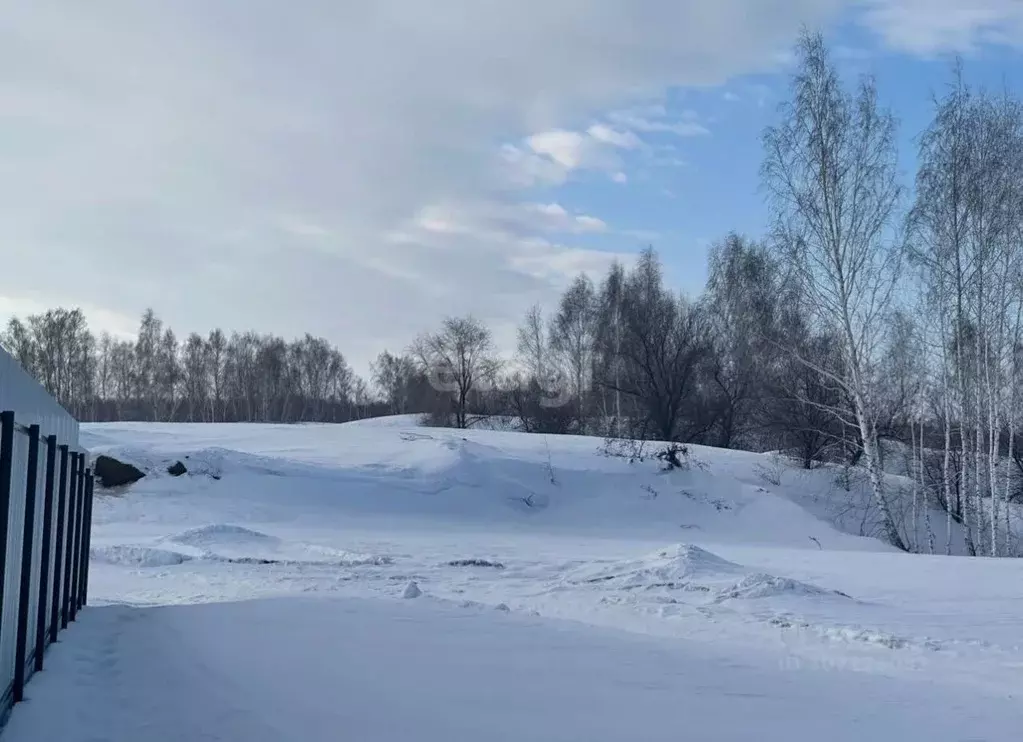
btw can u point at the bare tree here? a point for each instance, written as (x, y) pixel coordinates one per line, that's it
(458, 358)
(168, 376)
(216, 345)
(122, 369)
(17, 341)
(195, 371)
(741, 300)
(535, 345)
(966, 228)
(664, 343)
(397, 378)
(800, 399)
(607, 356)
(572, 337)
(937, 225)
(831, 168)
(539, 395)
(104, 367)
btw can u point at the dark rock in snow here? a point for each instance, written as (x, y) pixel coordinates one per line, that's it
(113, 473)
(177, 469)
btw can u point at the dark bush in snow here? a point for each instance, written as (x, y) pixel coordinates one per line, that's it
(475, 563)
(673, 456)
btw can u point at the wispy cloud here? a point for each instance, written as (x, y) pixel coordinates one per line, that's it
(655, 118)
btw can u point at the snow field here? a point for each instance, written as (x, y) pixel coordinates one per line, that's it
(742, 574)
(427, 670)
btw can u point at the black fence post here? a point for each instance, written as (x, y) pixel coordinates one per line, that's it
(69, 542)
(28, 536)
(76, 576)
(58, 551)
(6, 471)
(46, 564)
(90, 480)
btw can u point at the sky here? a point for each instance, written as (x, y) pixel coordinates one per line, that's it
(359, 171)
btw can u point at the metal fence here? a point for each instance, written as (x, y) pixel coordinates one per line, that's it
(21, 393)
(45, 528)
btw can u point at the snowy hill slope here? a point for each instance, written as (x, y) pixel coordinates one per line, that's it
(731, 546)
(391, 466)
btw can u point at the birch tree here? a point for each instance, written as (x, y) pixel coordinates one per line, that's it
(534, 346)
(830, 167)
(937, 224)
(607, 356)
(572, 338)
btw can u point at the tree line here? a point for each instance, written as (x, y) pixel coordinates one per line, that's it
(244, 377)
(868, 318)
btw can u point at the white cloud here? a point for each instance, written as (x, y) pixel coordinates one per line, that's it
(554, 218)
(549, 157)
(555, 210)
(496, 222)
(570, 149)
(590, 224)
(518, 166)
(930, 27)
(151, 148)
(621, 139)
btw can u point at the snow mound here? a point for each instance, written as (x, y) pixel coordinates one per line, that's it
(137, 556)
(411, 591)
(343, 557)
(365, 560)
(692, 560)
(760, 585)
(224, 542)
(219, 534)
(687, 574)
(683, 566)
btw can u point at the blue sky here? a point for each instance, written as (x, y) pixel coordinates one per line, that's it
(362, 170)
(682, 208)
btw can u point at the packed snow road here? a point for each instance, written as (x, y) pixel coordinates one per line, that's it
(327, 669)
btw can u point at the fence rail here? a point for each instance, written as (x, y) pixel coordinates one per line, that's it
(46, 489)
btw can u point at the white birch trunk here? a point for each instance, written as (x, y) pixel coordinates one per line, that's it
(994, 437)
(927, 508)
(945, 471)
(915, 540)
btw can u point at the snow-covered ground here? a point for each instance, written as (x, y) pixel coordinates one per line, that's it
(558, 594)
